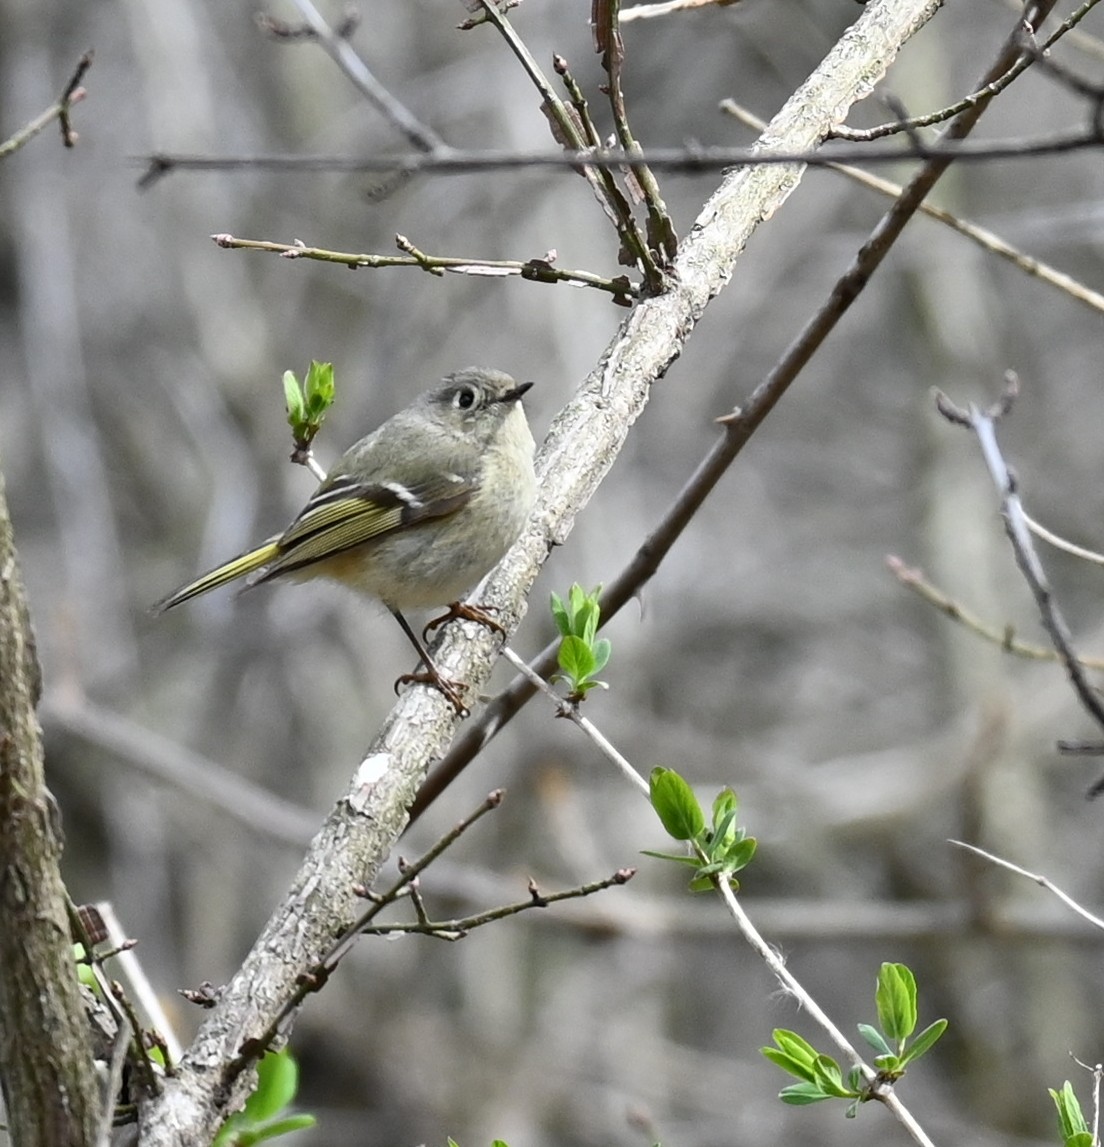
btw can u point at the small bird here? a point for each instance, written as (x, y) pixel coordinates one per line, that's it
(415, 513)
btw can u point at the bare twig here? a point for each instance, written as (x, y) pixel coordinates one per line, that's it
(979, 235)
(459, 927)
(1049, 885)
(692, 159)
(1004, 636)
(72, 94)
(572, 135)
(1063, 544)
(540, 270)
(1032, 53)
(984, 424)
(661, 231)
(571, 712)
(420, 135)
(314, 978)
(137, 982)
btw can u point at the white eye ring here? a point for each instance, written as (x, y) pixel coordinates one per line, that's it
(465, 398)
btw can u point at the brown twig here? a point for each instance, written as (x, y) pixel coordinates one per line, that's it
(1032, 53)
(608, 41)
(72, 94)
(540, 270)
(337, 46)
(572, 136)
(692, 159)
(1004, 636)
(985, 239)
(738, 426)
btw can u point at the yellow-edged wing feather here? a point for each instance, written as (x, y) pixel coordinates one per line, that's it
(346, 514)
(342, 515)
(237, 567)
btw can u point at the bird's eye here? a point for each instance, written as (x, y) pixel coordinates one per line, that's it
(465, 398)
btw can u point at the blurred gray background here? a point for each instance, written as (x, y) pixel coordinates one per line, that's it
(142, 438)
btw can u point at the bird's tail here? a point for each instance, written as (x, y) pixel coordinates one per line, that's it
(229, 571)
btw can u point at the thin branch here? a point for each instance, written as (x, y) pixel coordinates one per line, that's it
(459, 927)
(314, 978)
(420, 135)
(72, 94)
(137, 982)
(985, 239)
(608, 41)
(691, 159)
(751, 934)
(984, 425)
(571, 712)
(1049, 885)
(1032, 53)
(540, 270)
(1060, 543)
(931, 119)
(1004, 636)
(572, 136)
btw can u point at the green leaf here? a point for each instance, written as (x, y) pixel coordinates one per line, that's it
(559, 615)
(1071, 1120)
(725, 807)
(277, 1084)
(739, 855)
(875, 1039)
(792, 1053)
(924, 1041)
(275, 1129)
(576, 659)
(802, 1094)
(293, 401)
(601, 649)
(319, 388)
(896, 1001)
(674, 801)
(827, 1074)
(691, 860)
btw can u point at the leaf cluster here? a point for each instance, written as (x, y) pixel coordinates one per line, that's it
(720, 848)
(821, 1077)
(582, 654)
(308, 402)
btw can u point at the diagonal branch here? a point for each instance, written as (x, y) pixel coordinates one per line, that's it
(580, 449)
(739, 426)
